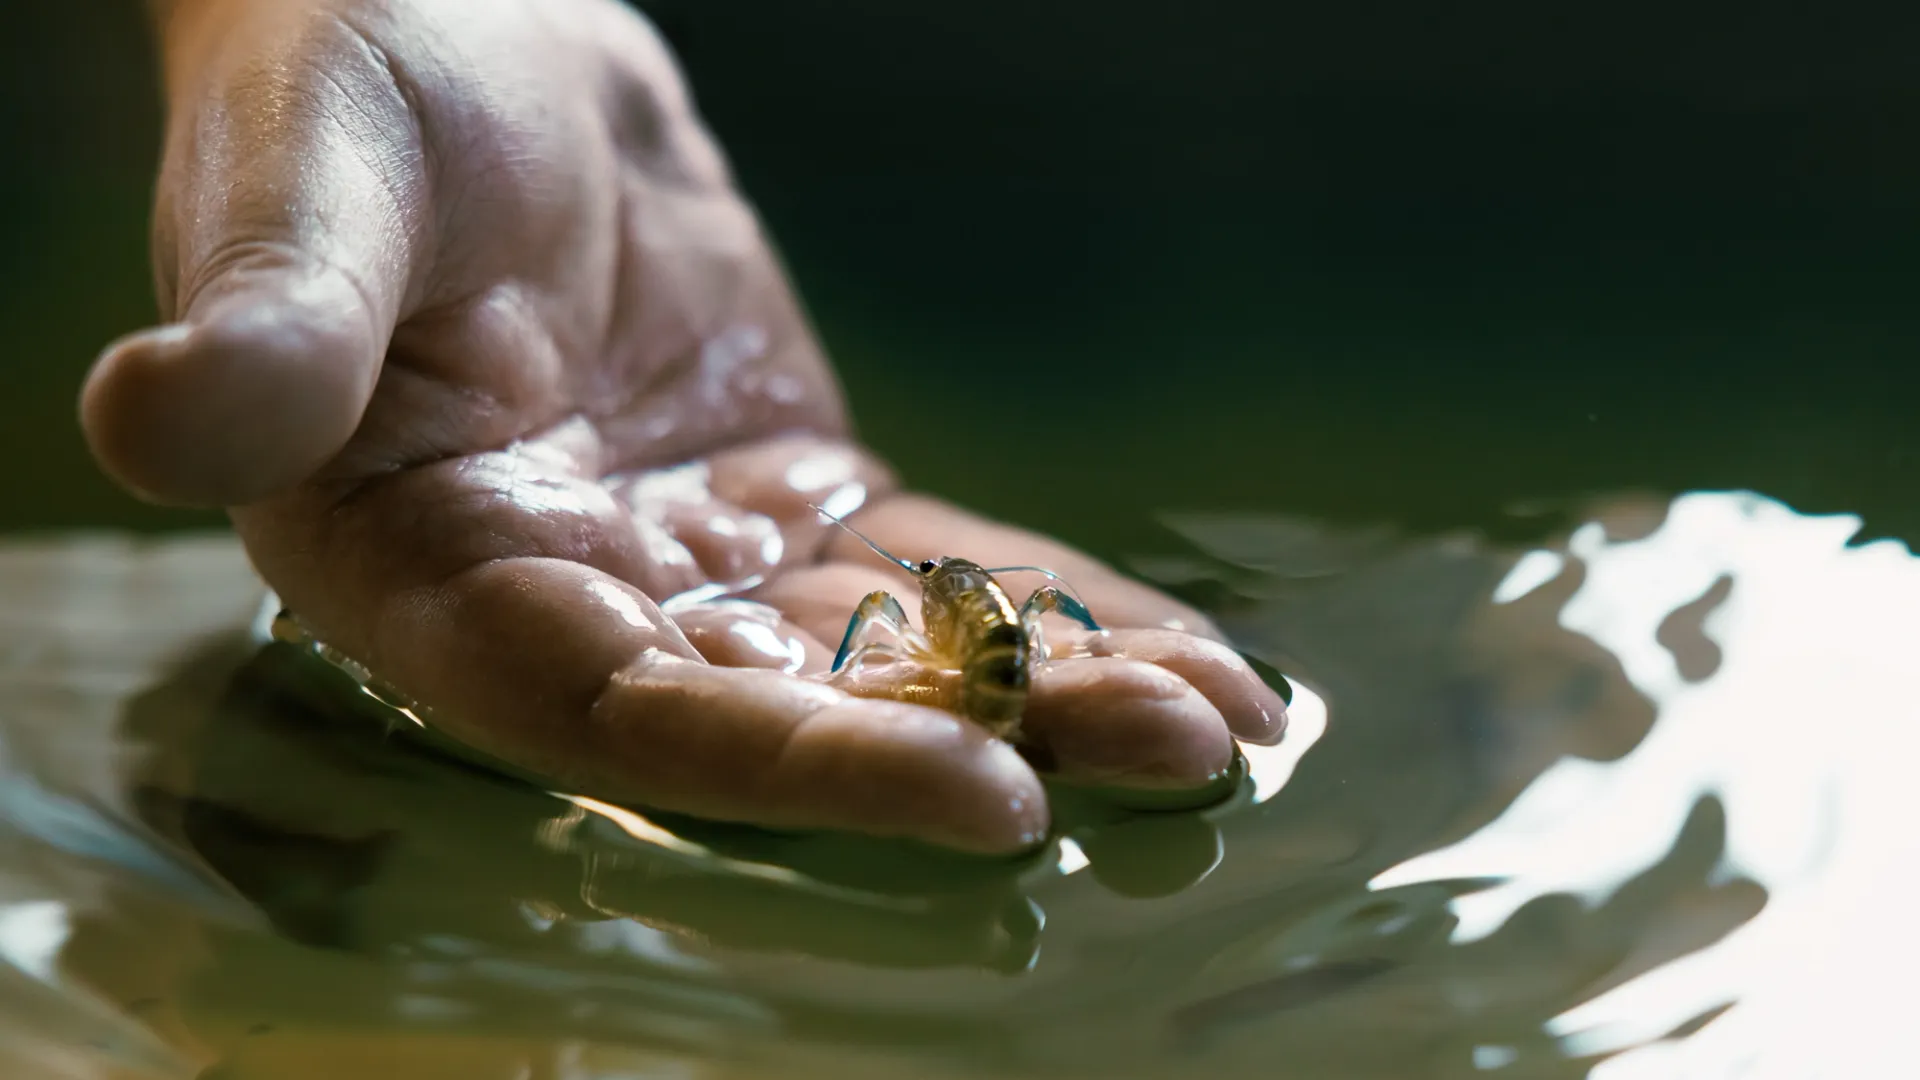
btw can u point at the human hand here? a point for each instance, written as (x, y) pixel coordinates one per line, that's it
(474, 336)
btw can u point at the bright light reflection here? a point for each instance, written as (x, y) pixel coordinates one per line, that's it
(845, 500)
(765, 640)
(31, 936)
(1488, 1058)
(1072, 858)
(772, 548)
(1533, 570)
(686, 483)
(639, 828)
(1807, 733)
(1272, 766)
(679, 603)
(816, 471)
(621, 604)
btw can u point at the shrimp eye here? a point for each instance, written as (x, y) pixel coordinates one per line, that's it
(928, 566)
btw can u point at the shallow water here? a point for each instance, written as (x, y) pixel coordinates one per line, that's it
(1634, 803)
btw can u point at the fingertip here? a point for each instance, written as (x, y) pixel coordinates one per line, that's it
(252, 396)
(1261, 719)
(920, 772)
(1253, 711)
(1127, 723)
(110, 417)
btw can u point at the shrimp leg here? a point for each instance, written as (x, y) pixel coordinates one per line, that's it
(1052, 599)
(879, 608)
(1041, 602)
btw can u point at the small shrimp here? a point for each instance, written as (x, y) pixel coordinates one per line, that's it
(972, 626)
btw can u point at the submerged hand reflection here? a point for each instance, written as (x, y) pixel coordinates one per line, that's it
(473, 331)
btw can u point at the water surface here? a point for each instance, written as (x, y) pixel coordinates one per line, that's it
(1630, 803)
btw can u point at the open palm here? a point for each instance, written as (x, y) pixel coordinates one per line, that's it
(490, 360)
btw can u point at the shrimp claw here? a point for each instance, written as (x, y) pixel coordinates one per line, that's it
(879, 607)
(1052, 599)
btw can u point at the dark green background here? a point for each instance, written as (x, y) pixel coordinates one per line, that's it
(1083, 262)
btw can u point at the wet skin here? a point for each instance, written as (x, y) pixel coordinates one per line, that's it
(487, 357)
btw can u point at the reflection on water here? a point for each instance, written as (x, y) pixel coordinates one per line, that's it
(1629, 804)
(1776, 656)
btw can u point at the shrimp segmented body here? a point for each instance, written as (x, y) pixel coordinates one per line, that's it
(971, 626)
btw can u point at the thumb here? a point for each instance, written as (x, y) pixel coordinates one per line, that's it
(286, 230)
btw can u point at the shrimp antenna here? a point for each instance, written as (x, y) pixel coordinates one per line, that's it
(882, 552)
(1050, 575)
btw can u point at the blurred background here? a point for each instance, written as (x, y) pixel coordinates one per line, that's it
(1371, 262)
